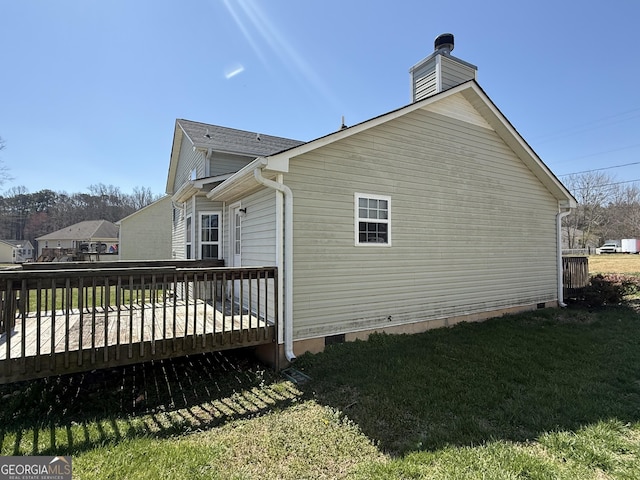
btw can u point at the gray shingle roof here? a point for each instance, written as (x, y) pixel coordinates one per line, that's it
(223, 139)
(84, 231)
(15, 243)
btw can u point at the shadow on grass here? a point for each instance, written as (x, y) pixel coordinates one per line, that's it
(73, 413)
(512, 378)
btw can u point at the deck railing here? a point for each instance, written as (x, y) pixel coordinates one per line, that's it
(65, 321)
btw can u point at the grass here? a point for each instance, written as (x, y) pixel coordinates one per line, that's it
(89, 297)
(614, 263)
(550, 394)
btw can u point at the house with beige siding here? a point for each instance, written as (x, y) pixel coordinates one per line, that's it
(16, 251)
(431, 214)
(146, 233)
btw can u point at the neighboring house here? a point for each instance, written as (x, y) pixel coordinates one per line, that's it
(146, 233)
(434, 213)
(16, 251)
(91, 236)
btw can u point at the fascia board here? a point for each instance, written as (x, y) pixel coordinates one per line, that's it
(178, 135)
(278, 159)
(194, 187)
(278, 163)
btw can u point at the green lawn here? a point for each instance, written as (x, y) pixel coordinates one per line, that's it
(551, 394)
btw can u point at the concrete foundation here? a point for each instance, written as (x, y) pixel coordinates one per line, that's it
(273, 354)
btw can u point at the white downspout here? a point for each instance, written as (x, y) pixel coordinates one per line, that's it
(288, 257)
(559, 218)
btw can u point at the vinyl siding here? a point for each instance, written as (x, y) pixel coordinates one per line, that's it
(177, 238)
(6, 253)
(454, 73)
(258, 247)
(472, 229)
(428, 79)
(188, 160)
(222, 164)
(424, 80)
(258, 230)
(147, 234)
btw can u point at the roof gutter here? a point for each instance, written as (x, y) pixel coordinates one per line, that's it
(285, 255)
(559, 218)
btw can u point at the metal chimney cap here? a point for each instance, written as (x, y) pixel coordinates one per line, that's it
(444, 42)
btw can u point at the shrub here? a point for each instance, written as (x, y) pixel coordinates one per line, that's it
(609, 289)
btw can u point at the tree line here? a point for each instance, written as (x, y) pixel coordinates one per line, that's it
(27, 216)
(608, 209)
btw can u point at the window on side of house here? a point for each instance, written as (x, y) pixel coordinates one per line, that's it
(209, 235)
(373, 219)
(188, 234)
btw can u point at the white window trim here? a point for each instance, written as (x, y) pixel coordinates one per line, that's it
(232, 226)
(219, 242)
(356, 219)
(188, 233)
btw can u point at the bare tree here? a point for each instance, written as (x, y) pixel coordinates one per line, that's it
(4, 170)
(585, 226)
(623, 213)
(15, 211)
(25, 215)
(141, 197)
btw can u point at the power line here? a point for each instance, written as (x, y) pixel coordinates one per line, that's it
(605, 184)
(599, 123)
(604, 152)
(599, 169)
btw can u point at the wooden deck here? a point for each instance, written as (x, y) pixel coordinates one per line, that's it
(88, 336)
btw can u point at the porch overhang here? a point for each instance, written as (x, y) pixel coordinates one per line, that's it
(243, 182)
(194, 187)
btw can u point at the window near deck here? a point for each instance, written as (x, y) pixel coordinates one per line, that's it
(209, 236)
(372, 219)
(188, 234)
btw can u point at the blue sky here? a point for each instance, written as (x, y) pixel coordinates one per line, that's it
(90, 91)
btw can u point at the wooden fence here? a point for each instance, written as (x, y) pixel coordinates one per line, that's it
(575, 275)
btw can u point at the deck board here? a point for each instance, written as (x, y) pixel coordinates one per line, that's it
(126, 326)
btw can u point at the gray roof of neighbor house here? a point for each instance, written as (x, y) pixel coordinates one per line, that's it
(230, 140)
(16, 243)
(84, 231)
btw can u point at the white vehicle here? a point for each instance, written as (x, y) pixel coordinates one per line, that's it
(610, 247)
(630, 245)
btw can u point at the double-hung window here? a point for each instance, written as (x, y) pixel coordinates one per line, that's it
(209, 236)
(373, 219)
